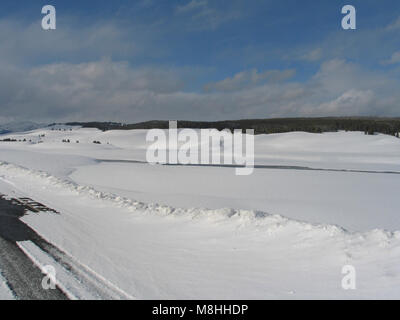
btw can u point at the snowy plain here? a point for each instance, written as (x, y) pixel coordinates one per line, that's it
(202, 232)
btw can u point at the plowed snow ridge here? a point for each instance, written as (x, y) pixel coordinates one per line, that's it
(242, 218)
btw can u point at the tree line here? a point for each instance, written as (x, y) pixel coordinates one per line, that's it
(390, 126)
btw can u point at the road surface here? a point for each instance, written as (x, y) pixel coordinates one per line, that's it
(23, 278)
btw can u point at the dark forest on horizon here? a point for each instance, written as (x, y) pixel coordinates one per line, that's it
(390, 126)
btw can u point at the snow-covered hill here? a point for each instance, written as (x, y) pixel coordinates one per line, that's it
(202, 232)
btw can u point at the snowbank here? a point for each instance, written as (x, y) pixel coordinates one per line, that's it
(152, 251)
(240, 218)
(5, 292)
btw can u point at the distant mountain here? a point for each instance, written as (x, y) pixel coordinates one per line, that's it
(19, 126)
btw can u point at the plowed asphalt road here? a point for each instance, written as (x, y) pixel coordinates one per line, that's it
(22, 276)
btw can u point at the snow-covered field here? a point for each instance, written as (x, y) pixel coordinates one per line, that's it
(203, 232)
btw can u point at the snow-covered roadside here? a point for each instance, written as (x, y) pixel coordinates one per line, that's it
(5, 292)
(152, 251)
(75, 281)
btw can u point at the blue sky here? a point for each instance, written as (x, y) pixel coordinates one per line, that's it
(198, 59)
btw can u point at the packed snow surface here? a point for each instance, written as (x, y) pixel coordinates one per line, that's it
(202, 232)
(5, 292)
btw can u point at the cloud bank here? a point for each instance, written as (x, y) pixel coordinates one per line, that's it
(94, 73)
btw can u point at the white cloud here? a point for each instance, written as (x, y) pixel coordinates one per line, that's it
(305, 54)
(27, 43)
(200, 15)
(102, 89)
(249, 78)
(116, 91)
(395, 25)
(395, 58)
(191, 6)
(106, 76)
(350, 102)
(313, 55)
(113, 90)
